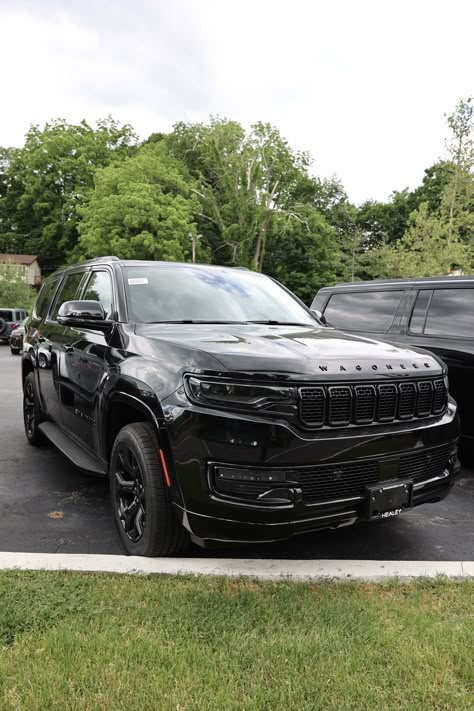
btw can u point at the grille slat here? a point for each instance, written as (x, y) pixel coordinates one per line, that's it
(340, 402)
(440, 399)
(364, 404)
(344, 405)
(407, 401)
(425, 399)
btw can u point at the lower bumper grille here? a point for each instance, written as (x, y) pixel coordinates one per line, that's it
(329, 482)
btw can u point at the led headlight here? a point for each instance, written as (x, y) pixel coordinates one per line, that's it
(220, 393)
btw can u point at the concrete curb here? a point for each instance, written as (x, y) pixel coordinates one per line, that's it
(367, 570)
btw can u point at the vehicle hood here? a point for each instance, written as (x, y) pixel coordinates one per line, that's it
(291, 350)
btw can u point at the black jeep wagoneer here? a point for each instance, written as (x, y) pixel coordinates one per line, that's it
(222, 410)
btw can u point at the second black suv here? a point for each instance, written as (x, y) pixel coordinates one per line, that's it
(436, 313)
(222, 410)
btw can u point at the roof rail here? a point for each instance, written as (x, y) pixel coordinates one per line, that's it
(101, 259)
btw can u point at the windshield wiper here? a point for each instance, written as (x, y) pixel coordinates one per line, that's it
(271, 322)
(189, 320)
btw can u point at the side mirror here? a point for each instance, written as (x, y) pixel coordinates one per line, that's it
(320, 316)
(84, 314)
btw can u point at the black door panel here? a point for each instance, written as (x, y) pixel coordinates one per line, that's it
(441, 320)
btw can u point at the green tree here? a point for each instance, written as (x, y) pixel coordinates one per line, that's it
(14, 291)
(304, 254)
(424, 250)
(142, 208)
(461, 149)
(46, 181)
(243, 182)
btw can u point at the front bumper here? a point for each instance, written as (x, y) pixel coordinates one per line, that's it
(201, 441)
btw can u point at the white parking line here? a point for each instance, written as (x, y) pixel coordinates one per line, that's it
(367, 570)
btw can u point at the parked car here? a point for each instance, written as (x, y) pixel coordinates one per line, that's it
(434, 313)
(222, 410)
(10, 319)
(16, 338)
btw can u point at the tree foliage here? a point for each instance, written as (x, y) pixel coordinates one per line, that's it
(243, 183)
(304, 254)
(140, 208)
(45, 182)
(424, 250)
(227, 195)
(14, 291)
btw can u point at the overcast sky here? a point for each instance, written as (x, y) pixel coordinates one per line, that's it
(361, 84)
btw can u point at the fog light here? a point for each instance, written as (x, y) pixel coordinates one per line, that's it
(231, 474)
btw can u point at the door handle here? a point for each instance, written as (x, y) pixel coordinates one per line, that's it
(68, 349)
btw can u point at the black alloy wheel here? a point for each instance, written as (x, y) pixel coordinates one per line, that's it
(32, 415)
(130, 494)
(144, 515)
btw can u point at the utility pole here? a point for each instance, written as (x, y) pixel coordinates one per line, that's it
(194, 240)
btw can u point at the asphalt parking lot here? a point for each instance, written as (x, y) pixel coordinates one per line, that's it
(47, 505)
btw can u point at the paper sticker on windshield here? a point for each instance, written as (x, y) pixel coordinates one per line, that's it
(138, 280)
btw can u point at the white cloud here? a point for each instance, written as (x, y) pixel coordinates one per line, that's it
(362, 85)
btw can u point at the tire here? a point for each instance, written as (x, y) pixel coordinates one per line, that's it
(3, 325)
(137, 486)
(15, 351)
(32, 414)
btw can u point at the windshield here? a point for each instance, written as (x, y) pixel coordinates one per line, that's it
(214, 294)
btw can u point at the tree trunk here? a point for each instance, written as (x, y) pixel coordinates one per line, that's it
(258, 247)
(452, 205)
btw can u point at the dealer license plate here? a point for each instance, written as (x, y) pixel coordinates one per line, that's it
(388, 498)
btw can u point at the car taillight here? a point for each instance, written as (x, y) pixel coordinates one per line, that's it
(14, 325)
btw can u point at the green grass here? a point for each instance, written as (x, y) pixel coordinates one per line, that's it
(71, 641)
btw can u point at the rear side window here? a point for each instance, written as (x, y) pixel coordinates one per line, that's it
(371, 311)
(67, 292)
(44, 297)
(451, 313)
(6, 314)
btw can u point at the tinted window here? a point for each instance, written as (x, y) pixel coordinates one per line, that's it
(44, 298)
(363, 310)
(6, 315)
(99, 288)
(209, 294)
(67, 292)
(451, 313)
(417, 321)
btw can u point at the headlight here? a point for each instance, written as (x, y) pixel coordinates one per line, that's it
(240, 396)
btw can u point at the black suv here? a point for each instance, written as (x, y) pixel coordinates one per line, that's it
(435, 313)
(222, 410)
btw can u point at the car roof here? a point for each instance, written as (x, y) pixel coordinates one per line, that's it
(101, 261)
(409, 281)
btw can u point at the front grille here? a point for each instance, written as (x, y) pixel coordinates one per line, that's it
(344, 405)
(328, 482)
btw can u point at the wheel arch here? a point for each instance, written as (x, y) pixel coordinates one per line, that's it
(27, 366)
(123, 409)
